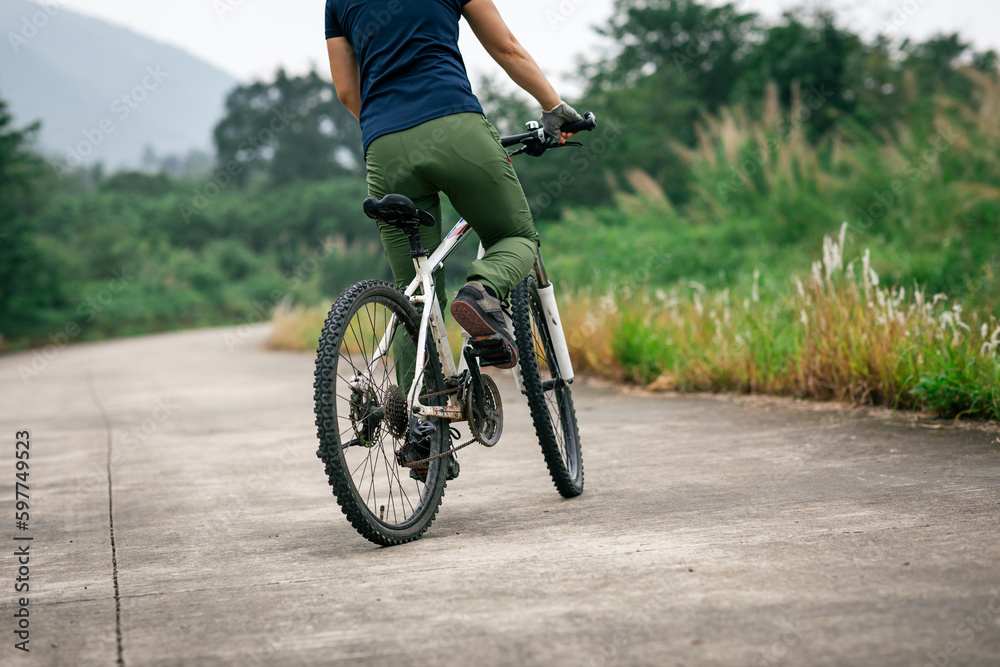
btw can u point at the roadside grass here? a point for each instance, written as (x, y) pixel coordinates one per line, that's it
(298, 328)
(839, 335)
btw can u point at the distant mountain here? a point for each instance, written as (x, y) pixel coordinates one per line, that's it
(104, 93)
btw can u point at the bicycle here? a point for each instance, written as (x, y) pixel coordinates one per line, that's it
(388, 453)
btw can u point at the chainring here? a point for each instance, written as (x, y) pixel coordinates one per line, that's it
(486, 428)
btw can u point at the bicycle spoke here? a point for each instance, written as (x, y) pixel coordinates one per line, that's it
(360, 341)
(375, 333)
(388, 481)
(363, 462)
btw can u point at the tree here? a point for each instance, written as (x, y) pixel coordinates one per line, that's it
(706, 46)
(673, 60)
(137, 182)
(28, 286)
(288, 129)
(936, 64)
(811, 59)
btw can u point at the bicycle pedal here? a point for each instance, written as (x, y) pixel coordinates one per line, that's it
(504, 359)
(491, 350)
(486, 342)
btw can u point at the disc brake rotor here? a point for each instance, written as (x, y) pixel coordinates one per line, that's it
(365, 417)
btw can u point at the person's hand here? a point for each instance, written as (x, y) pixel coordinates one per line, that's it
(556, 117)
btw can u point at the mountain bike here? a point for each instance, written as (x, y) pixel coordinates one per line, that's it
(387, 388)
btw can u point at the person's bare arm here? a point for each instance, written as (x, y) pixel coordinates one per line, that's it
(345, 73)
(503, 47)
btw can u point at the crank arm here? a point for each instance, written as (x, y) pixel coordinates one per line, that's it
(478, 391)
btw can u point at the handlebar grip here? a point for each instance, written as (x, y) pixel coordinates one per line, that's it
(588, 122)
(507, 142)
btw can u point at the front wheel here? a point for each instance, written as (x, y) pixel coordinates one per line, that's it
(549, 396)
(362, 413)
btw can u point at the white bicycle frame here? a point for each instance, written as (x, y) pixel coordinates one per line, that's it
(421, 290)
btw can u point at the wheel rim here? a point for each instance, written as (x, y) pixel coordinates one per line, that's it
(367, 445)
(556, 393)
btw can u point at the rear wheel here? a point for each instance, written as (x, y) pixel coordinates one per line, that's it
(362, 414)
(549, 396)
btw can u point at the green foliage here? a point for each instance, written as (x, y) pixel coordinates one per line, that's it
(136, 182)
(969, 389)
(675, 60)
(644, 352)
(813, 57)
(129, 263)
(927, 204)
(836, 335)
(29, 287)
(709, 46)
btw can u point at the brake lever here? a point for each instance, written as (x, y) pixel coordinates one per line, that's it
(539, 149)
(555, 144)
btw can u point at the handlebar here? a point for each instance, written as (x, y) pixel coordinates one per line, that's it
(536, 142)
(515, 139)
(585, 124)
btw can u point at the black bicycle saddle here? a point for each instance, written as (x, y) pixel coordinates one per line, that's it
(397, 210)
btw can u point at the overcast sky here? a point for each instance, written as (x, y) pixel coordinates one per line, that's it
(252, 38)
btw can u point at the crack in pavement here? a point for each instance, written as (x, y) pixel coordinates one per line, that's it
(111, 520)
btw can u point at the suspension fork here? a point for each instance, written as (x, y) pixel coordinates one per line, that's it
(550, 311)
(553, 323)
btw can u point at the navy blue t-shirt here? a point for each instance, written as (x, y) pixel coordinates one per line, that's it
(411, 68)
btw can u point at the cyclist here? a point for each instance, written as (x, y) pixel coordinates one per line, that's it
(397, 68)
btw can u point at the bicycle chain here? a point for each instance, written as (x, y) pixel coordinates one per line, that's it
(475, 439)
(415, 464)
(453, 390)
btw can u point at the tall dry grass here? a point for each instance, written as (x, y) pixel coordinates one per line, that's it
(838, 335)
(298, 328)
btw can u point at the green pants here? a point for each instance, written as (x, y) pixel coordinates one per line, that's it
(461, 156)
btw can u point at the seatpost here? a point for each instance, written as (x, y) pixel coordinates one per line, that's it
(417, 248)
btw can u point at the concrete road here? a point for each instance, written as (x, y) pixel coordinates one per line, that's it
(711, 532)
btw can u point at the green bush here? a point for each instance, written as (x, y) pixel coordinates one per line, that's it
(242, 251)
